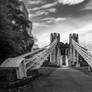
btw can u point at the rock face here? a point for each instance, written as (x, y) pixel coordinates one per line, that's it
(14, 26)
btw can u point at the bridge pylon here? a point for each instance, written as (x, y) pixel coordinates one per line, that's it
(73, 54)
(55, 54)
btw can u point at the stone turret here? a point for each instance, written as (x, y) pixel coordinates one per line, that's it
(55, 54)
(73, 54)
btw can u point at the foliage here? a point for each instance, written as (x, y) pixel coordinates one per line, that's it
(14, 38)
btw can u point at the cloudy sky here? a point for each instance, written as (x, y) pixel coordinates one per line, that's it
(62, 16)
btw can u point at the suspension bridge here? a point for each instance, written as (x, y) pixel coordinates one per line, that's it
(67, 77)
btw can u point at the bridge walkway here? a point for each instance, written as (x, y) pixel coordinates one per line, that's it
(63, 80)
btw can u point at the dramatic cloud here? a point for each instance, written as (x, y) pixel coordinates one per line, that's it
(48, 18)
(63, 16)
(70, 2)
(49, 5)
(39, 25)
(35, 2)
(38, 13)
(53, 20)
(41, 12)
(51, 9)
(88, 6)
(59, 19)
(84, 34)
(34, 9)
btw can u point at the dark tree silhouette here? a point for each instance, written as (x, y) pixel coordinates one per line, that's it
(14, 37)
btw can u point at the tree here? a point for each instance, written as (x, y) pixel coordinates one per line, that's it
(14, 38)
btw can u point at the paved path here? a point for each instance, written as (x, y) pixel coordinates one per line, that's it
(63, 80)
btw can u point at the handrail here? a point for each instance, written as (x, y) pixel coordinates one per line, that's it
(20, 58)
(30, 53)
(29, 61)
(84, 53)
(39, 59)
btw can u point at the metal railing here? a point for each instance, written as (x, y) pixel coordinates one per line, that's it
(29, 61)
(37, 60)
(83, 52)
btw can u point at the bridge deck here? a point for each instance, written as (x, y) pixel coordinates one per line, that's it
(63, 80)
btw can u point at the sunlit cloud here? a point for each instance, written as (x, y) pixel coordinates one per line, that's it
(54, 20)
(31, 15)
(88, 6)
(48, 18)
(34, 9)
(61, 16)
(85, 29)
(51, 9)
(60, 19)
(38, 13)
(35, 25)
(82, 31)
(49, 5)
(35, 2)
(41, 12)
(70, 2)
